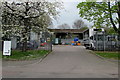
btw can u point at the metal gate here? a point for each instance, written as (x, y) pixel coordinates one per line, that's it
(46, 40)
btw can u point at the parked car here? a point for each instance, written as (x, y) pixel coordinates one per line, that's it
(30, 45)
(43, 44)
(88, 43)
(85, 42)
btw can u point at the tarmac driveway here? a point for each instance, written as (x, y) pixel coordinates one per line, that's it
(65, 62)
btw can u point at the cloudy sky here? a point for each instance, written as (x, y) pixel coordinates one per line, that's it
(69, 14)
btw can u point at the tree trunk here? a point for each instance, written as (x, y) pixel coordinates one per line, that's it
(111, 19)
(25, 34)
(24, 41)
(26, 29)
(119, 17)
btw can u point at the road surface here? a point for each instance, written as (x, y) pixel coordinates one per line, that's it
(64, 62)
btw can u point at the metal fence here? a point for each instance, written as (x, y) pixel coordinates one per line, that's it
(46, 41)
(106, 42)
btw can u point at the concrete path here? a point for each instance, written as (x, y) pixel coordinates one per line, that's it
(65, 62)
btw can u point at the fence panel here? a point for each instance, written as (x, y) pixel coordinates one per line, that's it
(107, 43)
(46, 40)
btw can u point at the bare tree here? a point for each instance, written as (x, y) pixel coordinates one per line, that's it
(64, 26)
(78, 24)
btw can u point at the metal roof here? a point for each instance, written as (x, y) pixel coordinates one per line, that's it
(66, 30)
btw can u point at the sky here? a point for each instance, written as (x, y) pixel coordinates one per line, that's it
(69, 14)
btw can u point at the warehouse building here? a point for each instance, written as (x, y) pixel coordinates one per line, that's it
(67, 35)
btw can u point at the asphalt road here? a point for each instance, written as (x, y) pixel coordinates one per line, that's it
(64, 62)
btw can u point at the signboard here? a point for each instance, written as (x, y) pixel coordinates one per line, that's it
(7, 48)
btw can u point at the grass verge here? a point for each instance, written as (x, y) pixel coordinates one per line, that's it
(29, 55)
(108, 55)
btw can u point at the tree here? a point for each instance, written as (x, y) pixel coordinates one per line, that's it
(0, 32)
(78, 24)
(109, 30)
(64, 26)
(41, 24)
(0, 21)
(101, 13)
(21, 17)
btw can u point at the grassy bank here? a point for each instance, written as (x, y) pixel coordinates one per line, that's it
(29, 55)
(108, 55)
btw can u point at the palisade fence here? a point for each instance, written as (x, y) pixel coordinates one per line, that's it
(47, 38)
(34, 44)
(107, 42)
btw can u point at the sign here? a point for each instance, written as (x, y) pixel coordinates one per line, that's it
(48, 39)
(7, 48)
